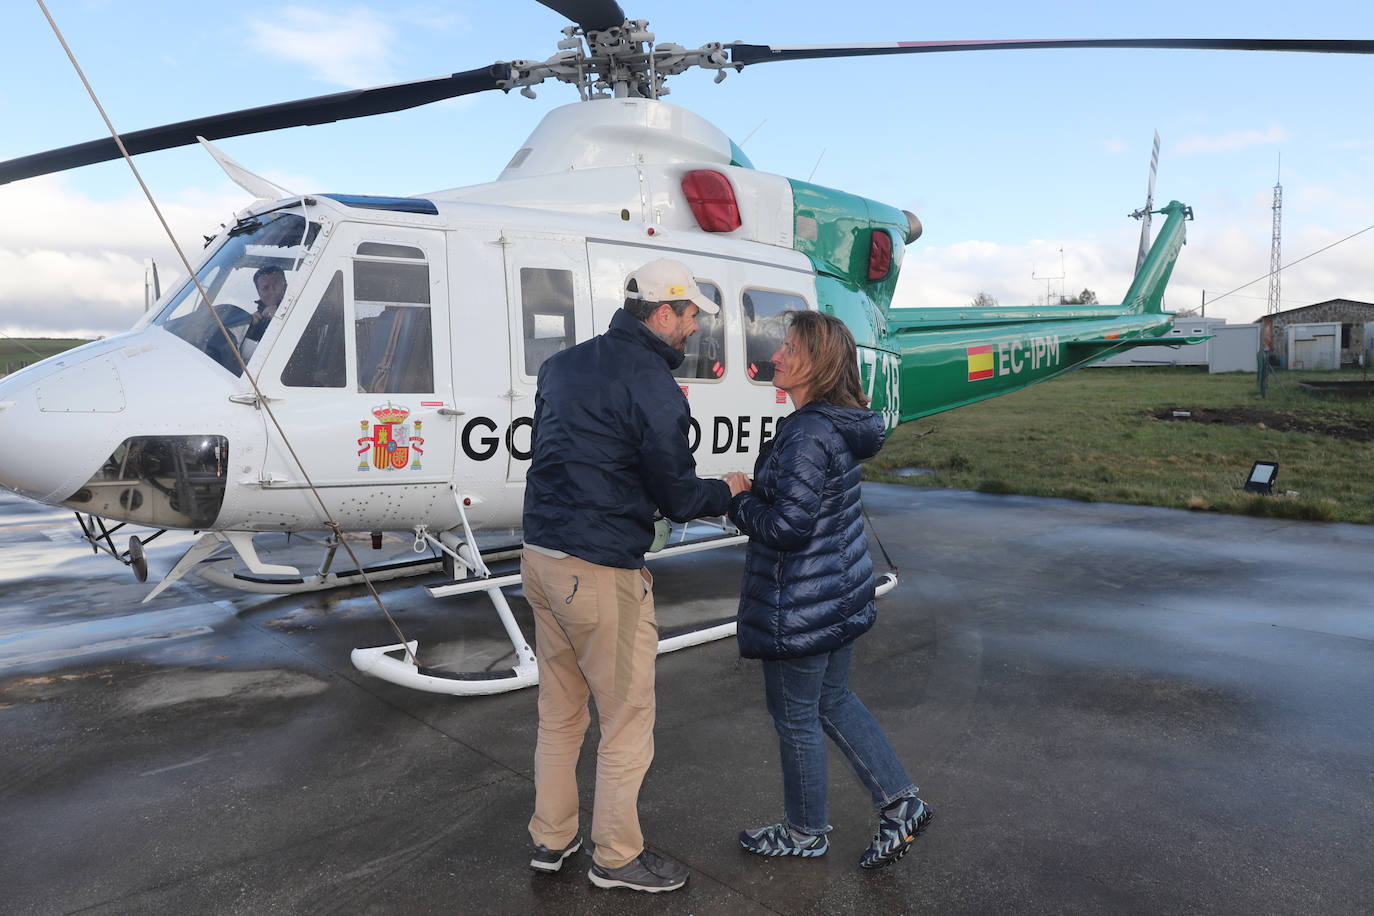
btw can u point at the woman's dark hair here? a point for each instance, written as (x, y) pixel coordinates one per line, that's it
(834, 371)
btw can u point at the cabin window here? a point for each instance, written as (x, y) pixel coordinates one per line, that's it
(705, 354)
(546, 298)
(765, 325)
(318, 360)
(391, 319)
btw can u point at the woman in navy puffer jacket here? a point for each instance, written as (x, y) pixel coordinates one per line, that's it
(808, 594)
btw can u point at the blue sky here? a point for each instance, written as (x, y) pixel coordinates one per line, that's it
(1022, 165)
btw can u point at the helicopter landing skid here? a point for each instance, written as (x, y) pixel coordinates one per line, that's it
(383, 661)
(220, 575)
(275, 579)
(399, 665)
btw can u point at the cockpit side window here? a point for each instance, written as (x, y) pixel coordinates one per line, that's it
(392, 322)
(259, 254)
(319, 358)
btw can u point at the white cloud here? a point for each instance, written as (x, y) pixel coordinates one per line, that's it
(1221, 258)
(74, 267)
(951, 276)
(350, 47)
(1233, 140)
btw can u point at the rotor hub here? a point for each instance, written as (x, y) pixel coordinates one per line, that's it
(621, 61)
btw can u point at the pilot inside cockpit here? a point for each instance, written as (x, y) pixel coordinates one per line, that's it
(271, 285)
(265, 250)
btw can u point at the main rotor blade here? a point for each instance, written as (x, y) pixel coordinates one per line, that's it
(744, 54)
(591, 15)
(338, 106)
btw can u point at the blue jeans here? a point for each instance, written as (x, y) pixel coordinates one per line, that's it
(810, 698)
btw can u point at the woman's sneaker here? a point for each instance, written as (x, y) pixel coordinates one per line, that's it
(646, 873)
(782, 840)
(898, 826)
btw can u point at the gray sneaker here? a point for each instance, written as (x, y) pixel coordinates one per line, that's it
(551, 860)
(646, 873)
(899, 824)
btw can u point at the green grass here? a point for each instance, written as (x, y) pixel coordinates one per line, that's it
(1091, 435)
(17, 352)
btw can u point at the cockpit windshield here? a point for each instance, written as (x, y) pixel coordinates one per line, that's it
(246, 280)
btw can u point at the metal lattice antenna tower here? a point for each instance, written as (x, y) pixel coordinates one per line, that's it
(1050, 298)
(1274, 263)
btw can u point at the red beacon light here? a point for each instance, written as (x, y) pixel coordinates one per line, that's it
(879, 255)
(712, 199)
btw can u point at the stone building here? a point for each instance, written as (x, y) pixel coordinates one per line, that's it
(1353, 317)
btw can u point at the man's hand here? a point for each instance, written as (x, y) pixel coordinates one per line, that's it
(738, 481)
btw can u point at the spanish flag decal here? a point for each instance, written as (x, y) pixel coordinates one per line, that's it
(979, 362)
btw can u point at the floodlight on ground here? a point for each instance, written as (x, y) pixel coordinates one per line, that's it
(1262, 475)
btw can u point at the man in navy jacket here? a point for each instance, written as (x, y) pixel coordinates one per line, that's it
(609, 447)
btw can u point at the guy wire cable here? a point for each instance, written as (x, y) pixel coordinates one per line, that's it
(331, 524)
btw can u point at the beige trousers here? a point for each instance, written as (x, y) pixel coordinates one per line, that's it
(595, 636)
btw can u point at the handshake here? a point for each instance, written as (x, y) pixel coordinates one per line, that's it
(738, 481)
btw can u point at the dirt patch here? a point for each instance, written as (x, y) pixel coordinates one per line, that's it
(1336, 427)
(1339, 389)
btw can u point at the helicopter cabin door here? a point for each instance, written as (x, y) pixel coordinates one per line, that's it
(550, 310)
(361, 380)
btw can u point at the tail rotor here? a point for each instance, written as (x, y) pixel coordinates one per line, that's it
(1143, 214)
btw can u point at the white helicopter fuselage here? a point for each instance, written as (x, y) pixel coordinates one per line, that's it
(399, 371)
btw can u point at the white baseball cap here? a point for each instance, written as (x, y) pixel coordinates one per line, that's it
(666, 280)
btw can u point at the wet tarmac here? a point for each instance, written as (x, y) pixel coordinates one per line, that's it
(1112, 709)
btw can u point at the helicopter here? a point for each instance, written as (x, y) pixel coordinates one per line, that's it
(392, 388)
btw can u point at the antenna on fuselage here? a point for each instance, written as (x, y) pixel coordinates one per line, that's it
(752, 132)
(816, 166)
